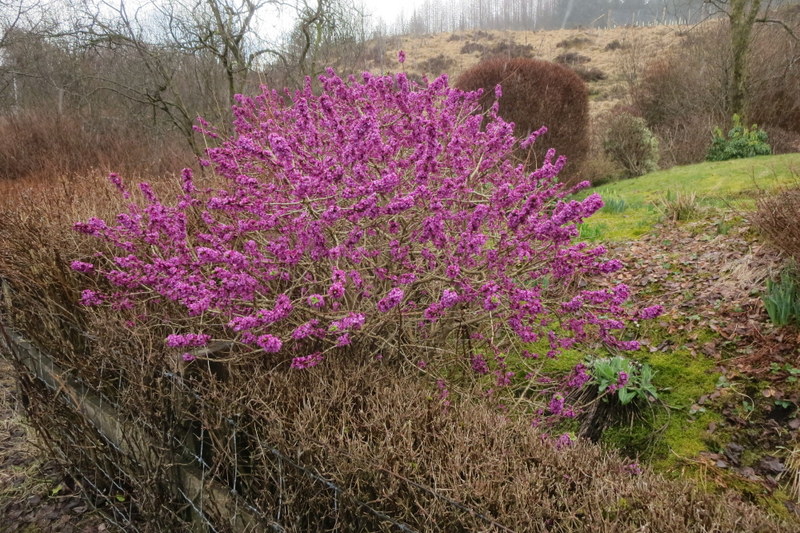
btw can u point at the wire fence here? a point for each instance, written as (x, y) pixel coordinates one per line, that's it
(168, 478)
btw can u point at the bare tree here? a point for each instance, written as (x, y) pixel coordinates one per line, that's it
(18, 18)
(742, 16)
(185, 58)
(189, 57)
(327, 33)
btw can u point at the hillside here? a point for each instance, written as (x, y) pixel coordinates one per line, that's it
(618, 53)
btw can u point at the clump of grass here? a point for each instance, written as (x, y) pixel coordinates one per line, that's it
(793, 464)
(572, 58)
(574, 42)
(678, 205)
(436, 65)
(614, 45)
(615, 204)
(782, 299)
(590, 74)
(591, 232)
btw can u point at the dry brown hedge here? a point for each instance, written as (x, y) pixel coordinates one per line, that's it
(538, 93)
(48, 145)
(345, 446)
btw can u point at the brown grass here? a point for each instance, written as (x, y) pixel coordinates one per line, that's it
(777, 218)
(34, 493)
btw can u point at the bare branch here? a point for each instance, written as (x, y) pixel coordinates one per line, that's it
(780, 23)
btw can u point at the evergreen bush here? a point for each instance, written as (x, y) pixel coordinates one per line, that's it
(740, 142)
(629, 142)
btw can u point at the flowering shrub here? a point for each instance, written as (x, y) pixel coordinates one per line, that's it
(379, 219)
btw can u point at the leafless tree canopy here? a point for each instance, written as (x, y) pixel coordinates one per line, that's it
(161, 63)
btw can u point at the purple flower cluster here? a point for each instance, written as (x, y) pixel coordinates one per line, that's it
(556, 405)
(80, 266)
(307, 361)
(479, 364)
(649, 313)
(269, 343)
(185, 340)
(391, 300)
(563, 441)
(365, 196)
(352, 321)
(90, 297)
(580, 376)
(622, 380)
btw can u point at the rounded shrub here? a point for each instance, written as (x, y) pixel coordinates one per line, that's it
(629, 142)
(377, 219)
(537, 93)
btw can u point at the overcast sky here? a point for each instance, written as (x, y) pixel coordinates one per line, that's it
(389, 10)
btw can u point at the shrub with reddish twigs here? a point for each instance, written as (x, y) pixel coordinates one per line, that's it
(537, 93)
(777, 217)
(41, 145)
(378, 219)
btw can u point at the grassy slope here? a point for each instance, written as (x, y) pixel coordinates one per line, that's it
(719, 184)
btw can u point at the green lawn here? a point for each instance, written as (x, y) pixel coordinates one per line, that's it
(715, 185)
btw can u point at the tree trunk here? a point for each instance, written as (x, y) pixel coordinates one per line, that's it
(742, 17)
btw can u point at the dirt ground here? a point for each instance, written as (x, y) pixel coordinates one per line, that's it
(36, 495)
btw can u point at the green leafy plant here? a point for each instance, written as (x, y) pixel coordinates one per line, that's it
(791, 372)
(629, 379)
(740, 142)
(782, 299)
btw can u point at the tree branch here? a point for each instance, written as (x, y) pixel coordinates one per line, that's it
(779, 23)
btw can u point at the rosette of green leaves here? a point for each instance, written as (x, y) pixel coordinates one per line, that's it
(606, 372)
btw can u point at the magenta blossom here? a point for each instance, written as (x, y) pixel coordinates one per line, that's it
(391, 300)
(307, 361)
(80, 266)
(316, 300)
(90, 297)
(270, 343)
(183, 340)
